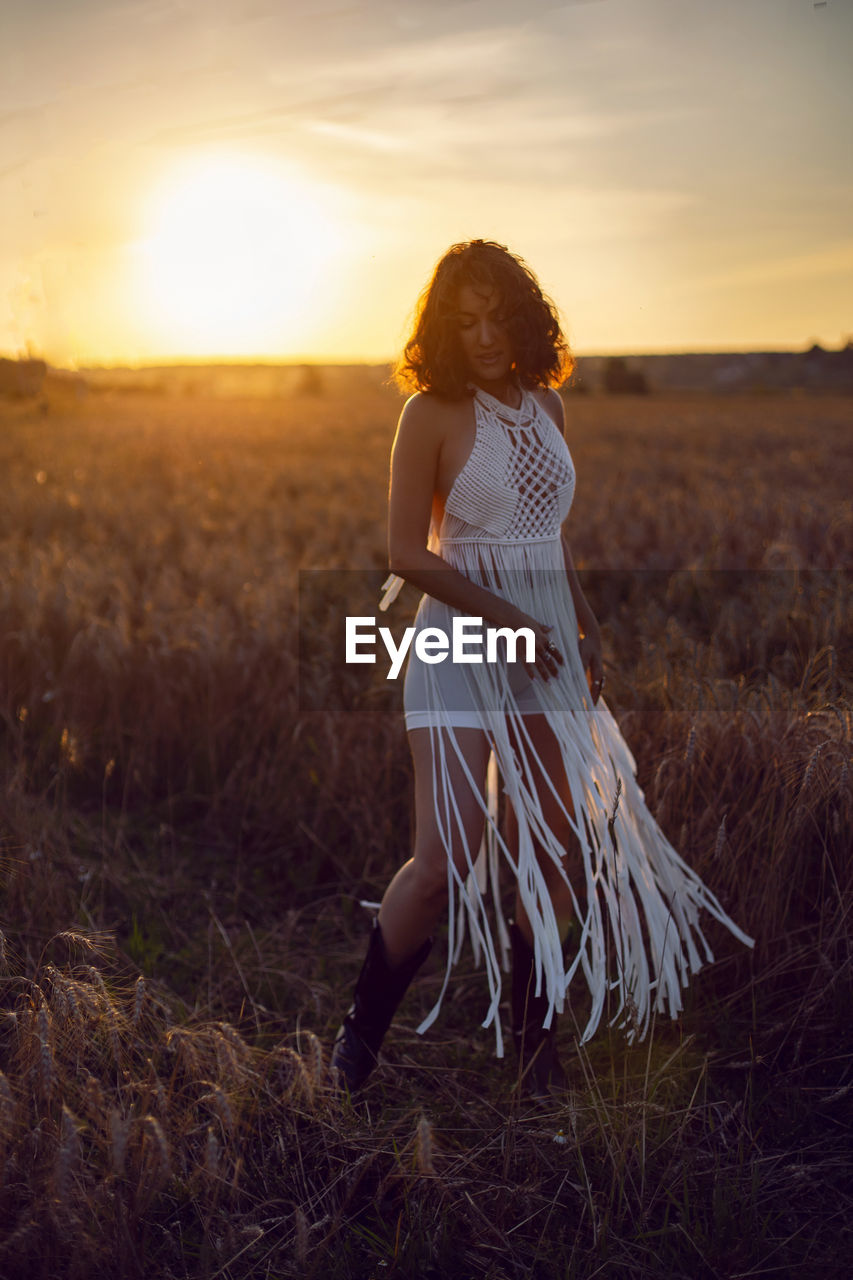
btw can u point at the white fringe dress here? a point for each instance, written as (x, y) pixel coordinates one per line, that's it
(639, 936)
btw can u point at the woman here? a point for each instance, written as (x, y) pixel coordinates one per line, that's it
(481, 483)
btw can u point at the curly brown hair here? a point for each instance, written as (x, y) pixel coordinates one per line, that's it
(433, 359)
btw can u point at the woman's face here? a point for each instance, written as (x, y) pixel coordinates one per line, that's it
(483, 335)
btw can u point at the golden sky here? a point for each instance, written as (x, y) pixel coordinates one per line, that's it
(275, 179)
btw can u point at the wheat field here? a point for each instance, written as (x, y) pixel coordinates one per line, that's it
(185, 843)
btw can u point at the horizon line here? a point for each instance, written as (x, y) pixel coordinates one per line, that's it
(267, 361)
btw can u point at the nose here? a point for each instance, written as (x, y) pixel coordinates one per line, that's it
(486, 331)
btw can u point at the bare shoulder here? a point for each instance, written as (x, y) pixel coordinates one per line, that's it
(430, 416)
(552, 402)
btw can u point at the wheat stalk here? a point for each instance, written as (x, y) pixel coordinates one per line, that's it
(805, 786)
(43, 1027)
(690, 748)
(138, 999)
(313, 1059)
(7, 1108)
(424, 1146)
(154, 1128)
(211, 1153)
(300, 1223)
(66, 1159)
(119, 1127)
(221, 1105)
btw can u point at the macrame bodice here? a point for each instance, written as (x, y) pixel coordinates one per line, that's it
(518, 481)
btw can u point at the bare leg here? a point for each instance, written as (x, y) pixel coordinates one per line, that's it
(548, 765)
(541, 1074)
(417, 896)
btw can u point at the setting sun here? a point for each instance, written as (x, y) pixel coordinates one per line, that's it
(236, 257)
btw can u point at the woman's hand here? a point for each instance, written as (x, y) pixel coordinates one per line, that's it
(548, 659)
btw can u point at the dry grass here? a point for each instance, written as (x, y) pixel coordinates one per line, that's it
(183, 846)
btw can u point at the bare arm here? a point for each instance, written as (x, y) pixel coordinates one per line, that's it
(414, 466)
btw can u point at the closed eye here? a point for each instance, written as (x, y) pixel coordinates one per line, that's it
(465, 320)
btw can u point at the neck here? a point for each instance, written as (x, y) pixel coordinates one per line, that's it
(506, 390)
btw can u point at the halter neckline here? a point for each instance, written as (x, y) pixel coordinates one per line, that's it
(488, 401)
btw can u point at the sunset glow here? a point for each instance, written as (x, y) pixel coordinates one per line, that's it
(238, 260)
(676, 173)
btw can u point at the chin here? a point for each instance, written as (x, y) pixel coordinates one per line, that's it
(496, 372)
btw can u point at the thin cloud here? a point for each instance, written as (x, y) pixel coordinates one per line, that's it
(833, 260)
(271, 120)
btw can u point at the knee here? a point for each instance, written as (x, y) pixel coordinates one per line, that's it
(430, 884)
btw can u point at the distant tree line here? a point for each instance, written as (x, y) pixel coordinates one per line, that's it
(619, 379)
(21, 378)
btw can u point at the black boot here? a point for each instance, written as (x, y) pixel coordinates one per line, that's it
(542, 1074)
(378, 992)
